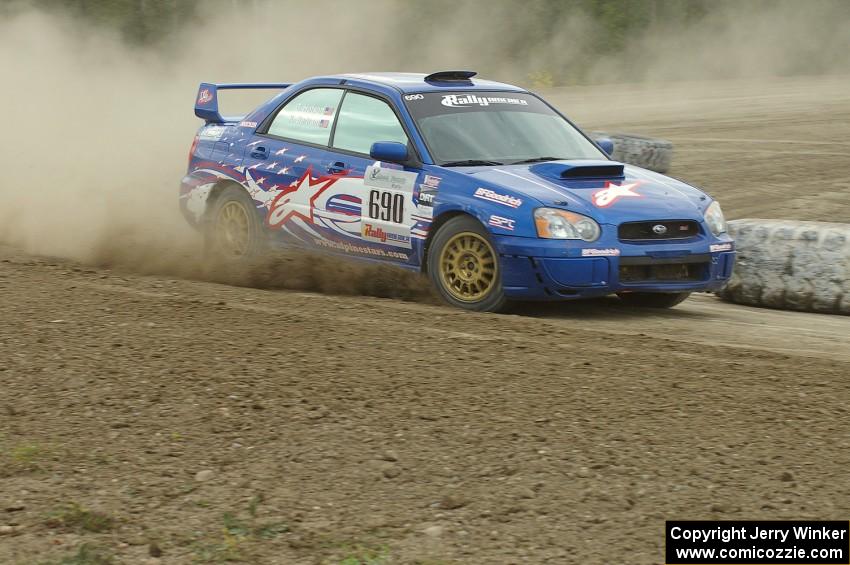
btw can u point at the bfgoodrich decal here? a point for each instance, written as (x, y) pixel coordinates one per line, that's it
(720, 247)
(609, 252)
(492, 196)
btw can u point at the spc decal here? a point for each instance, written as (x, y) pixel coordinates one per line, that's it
(502, 222)
(610, 252)
(248, 124)
(613, 192)
(492, 196)
(381, 177)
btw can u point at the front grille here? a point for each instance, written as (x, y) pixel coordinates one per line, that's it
(669, 272)
(660, 229)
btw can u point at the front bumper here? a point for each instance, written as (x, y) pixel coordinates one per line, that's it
(541, 269)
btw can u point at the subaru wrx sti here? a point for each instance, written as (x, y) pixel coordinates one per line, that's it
(483, 186)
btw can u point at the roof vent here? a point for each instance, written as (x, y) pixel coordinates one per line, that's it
(450, 76)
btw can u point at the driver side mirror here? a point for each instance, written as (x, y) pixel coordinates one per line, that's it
(389, 151)
(606, 145)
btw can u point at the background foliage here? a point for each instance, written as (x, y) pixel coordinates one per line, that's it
(557, 41)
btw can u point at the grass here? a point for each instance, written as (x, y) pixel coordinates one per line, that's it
(21, 458)
(75, 517)
(235, 535)
(86, 555)
(365, 555)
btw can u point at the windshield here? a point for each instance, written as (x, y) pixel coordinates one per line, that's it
(495, 128)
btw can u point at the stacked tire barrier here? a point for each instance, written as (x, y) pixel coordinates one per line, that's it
(646, 152)
(791, 265)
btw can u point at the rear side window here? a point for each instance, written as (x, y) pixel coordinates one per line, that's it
(308, 117)
(362, 121)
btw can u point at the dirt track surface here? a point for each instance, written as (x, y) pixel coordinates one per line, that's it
(194, 421)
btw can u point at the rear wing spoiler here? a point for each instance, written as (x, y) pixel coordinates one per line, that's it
(206, 103)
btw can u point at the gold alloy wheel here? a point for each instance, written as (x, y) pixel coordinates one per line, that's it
(468, 267)
(233, 229)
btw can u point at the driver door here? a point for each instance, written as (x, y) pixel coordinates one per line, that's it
(389, 213)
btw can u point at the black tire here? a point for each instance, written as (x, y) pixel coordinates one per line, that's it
(233, 200)
(450, 281)
(653, 299)
(645, 152)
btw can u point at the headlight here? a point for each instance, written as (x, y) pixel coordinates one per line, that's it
(559, 224)
(714, 218)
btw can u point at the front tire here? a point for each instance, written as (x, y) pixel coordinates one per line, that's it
(234, 231)
(463, 266)
(653, 299)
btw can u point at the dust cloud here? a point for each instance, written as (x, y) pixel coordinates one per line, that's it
(97, 131)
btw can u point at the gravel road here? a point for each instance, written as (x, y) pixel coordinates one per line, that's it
(166, 420)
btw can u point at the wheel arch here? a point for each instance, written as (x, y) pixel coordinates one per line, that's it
(215, 193)
(438, 223)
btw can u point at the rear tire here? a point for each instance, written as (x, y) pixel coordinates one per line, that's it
(463, 266)
(234, 232)
(653, 299)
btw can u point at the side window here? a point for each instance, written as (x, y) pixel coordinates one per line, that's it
(363, 120)
(308, 117)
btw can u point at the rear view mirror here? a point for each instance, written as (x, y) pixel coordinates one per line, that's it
(389, 151)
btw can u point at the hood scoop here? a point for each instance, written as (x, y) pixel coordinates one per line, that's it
(580, 170)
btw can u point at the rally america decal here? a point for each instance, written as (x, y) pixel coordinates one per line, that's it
(613, 192)
(399, 237)
(462, 101)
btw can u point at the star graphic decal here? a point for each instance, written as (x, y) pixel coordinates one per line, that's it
(300, 194)
(281, 151)
(301, 158)
(613, 192)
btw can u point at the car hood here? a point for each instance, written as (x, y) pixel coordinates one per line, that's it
(633, 194)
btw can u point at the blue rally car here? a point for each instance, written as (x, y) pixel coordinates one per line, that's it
(483, 186)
